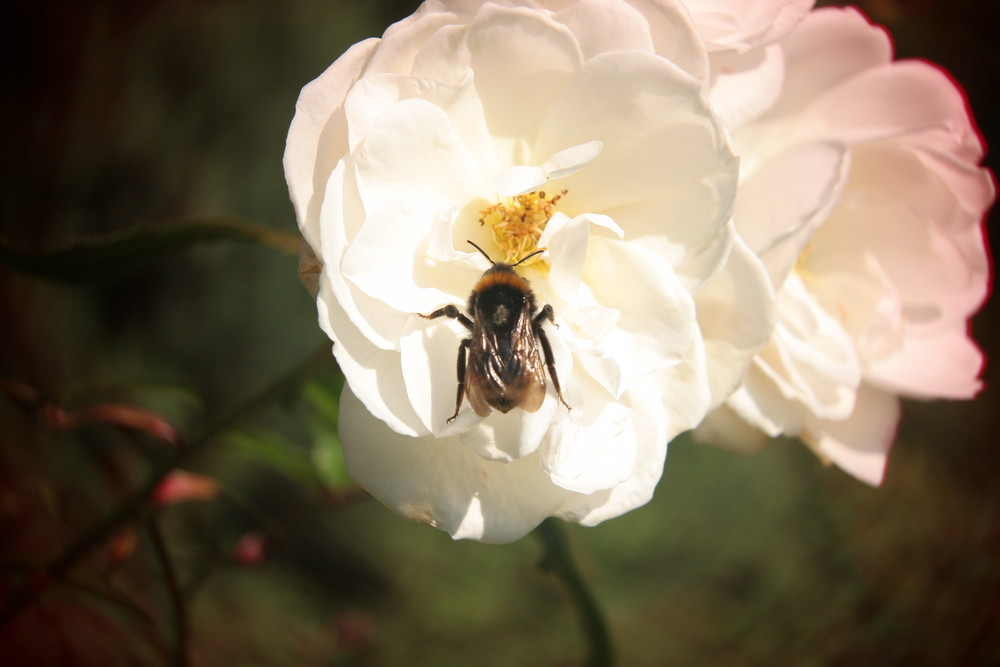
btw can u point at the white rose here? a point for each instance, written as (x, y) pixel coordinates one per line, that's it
(860, 190)
(404, 144)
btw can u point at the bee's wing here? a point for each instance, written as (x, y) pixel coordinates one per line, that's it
(481, 379)
(505, 368)
(477, 400)
(531, 383)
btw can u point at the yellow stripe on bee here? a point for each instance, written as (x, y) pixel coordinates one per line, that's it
(508, 278)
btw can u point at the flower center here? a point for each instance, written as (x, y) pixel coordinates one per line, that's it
(518, 223)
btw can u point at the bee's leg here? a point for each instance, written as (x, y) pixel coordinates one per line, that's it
(463, 350)
(546, 313)
(536, 325)
(450, 311)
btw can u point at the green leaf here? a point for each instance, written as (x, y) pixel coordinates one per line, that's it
(273, 450)
(328, 457)
(111, 257)
(323, 394)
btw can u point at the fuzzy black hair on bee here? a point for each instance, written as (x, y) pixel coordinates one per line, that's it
(500, 365)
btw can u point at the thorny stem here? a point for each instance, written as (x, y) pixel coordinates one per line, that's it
(180, 653)
(33, 587)
(558, 560)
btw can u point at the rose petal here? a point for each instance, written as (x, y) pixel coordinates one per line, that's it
(652, 433)
(459, 102)
(606, 26)
(413, 149)
(375, 373)
(725, 429)
(320, 122)
(829, 47)
(506, 437)
(378, 324)
(860, 444)
(443, 483)
(588, 321)
(647, 113)
(810, 357)
(741, 25)
(567, 244)
(675, 36)
(593, 449)
(958, 168)
(520, 179)
(385, 260)
(703, 265)
(657, 316)
(929, 246)
(683, 391)
(403, 40)
(428, 351)
(865, 301)
(746, 84)
(943, 364)
(736, 315)
(784, 200)
(521, 61)
(759, 402)
(890, 101)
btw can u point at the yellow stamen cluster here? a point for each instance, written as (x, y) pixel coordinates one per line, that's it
(518, 223)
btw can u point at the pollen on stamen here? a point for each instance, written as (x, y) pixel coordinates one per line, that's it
(517, 224)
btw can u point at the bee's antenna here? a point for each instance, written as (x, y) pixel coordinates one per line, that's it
(483, 251)
(527, 257)
(523, 259)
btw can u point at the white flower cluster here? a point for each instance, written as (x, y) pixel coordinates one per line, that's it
(738, 212)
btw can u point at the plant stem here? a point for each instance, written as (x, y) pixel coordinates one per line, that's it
(558, 560)
(180, 653)
(33, 587)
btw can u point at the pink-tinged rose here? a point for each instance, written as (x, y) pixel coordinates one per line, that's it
(741, 26)
(181, 486)
(451, 127)
(250, 550)
(862, 193)
(124, 416)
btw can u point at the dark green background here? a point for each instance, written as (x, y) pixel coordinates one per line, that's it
(118, 114)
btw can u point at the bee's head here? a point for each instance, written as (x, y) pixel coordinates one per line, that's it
(500, 267)
(501, 286)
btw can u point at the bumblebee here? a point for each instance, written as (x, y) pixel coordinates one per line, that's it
(500, 365)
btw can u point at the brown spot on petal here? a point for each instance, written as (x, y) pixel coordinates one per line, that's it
(419, 512)
(310, 268)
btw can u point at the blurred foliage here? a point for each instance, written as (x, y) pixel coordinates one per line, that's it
(122, 114)
(116, 256)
